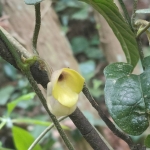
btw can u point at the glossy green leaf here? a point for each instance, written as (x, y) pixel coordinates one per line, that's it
(23, 139)
(121, 29)
(147, 141)
(128, 96)
(143, 11)
(32, 2)
(12, 105)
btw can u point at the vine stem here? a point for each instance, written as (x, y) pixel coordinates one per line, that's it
(43, 133)
(134, 12)
(43, 100)
(126, 14)
(37, 28)
(111, 126)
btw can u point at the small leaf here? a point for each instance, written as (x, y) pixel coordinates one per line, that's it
(5, 94)
(121, 29)
(94, 53)
(81, 15)
(10, 71)
(79, 44)
(12, 105)
(87, 69)
(32, 2)
(127, 96)
(23, 139)
(147, 141)
(143, 11)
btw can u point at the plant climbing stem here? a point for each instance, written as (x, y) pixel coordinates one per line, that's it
(127, 17)
(134, 13)
(37, 28)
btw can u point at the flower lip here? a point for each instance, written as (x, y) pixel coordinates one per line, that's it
(66, 85)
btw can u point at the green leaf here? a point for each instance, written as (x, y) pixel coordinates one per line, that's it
(23, 139)
(147, 141)
(127, 96)
(10, 71)
(32, 2)
(79, 44)
(143, 11)
(121, 29)
(5, 94)
(94, 53)
(31, 121)
(81, 15)
(12, 105)
(87, 69)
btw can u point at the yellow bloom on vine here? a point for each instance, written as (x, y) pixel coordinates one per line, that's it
(63, 91)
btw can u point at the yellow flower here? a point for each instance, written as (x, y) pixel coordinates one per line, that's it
(63, 91)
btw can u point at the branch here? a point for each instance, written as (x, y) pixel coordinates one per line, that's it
(87, 130)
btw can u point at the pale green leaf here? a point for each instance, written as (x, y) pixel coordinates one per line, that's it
(12, 105)
(23, 139)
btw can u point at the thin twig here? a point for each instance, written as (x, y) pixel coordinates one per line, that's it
(126, 14)
(37, 28)
(43, 133)
(111, 126)
(134, 13)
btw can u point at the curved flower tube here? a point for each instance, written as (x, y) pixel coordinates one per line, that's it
(63, 91)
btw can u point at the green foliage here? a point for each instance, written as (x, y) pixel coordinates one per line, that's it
(110, 12)
(23, 139)
(127, 96)
(147, 141)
